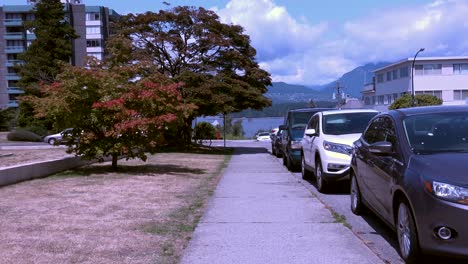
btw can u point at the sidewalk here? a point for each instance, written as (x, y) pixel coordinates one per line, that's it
(261, 214)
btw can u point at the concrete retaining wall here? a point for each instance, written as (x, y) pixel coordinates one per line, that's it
(23, 172)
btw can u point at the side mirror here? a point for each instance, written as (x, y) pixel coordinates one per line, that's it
(310, 132)
(283, 127)
(381, 147)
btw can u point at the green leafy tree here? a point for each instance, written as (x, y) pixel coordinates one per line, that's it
(238, 129)
(43, 58)
(204, 130)
(420, 100)
(215, 61)
(110, 115)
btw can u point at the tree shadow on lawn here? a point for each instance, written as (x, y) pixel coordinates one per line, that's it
(137, 170)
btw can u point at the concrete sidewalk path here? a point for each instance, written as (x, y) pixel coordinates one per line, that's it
(260, 213)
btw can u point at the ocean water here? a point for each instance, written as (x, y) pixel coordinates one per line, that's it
(251, 125)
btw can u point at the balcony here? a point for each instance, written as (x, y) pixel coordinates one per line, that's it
(13, 103)
(12, 63)
(14, 36)
(12, 77)
(14, 49)
(13, 22)
(14, 90)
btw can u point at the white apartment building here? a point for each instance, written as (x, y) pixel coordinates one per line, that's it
(444, 77)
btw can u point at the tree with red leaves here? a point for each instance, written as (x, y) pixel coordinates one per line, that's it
(111, 115)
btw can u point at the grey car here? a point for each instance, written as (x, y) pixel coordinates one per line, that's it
(59, 137)
(410, 167)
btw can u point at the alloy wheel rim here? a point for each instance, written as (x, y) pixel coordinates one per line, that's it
(354, 196)
(404, 233)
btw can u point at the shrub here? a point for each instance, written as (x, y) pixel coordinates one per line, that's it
(420, 100)
(204, 130)
(37, 129)
(23, 135)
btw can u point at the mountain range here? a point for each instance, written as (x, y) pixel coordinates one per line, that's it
(351, 83)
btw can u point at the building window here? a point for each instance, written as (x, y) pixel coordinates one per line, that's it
(460, 94)
(436, 93)
(389, 99)
(93, 43)
(428, 69)
(395, 74)
(395, 96)
(12, 84)
(460, 68)
(13, 16)
(373, 100)
(92, 16)
(380, 100)
(389, 76)
(404, 72)
(93, 30)
(380, 77)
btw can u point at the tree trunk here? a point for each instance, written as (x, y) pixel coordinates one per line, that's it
(115, 157)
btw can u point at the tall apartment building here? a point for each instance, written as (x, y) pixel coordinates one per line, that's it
(91, 24)
(444, 77)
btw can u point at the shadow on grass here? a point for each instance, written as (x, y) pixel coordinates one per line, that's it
(137, 170)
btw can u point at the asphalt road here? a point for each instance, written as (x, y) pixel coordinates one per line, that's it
(368, 227)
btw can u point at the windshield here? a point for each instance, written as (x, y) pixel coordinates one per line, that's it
(441, 132)
(346, 123)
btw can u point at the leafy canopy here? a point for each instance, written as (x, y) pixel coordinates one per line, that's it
(215, 61)
(52, 46)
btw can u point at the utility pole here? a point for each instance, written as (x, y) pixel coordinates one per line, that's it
(339, 94)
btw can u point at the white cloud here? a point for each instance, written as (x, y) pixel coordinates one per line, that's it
(296, 52)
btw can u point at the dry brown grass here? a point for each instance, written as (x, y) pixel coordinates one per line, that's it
(142, 213)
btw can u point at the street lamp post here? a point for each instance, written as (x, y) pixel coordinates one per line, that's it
(412, 77)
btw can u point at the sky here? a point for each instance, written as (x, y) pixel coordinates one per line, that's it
(312, 42)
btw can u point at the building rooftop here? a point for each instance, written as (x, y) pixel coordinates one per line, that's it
(422, 59)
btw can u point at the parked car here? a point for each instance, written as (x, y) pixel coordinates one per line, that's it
(327, 144)
(276, 143)
(263, 136)
(410, 168)
(294, 125)
(60, 137)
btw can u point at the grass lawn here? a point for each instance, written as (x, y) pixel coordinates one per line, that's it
(143, 213)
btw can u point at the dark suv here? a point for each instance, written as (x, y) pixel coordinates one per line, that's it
(293, 131)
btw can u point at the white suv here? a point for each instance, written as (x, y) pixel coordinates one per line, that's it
(327, 143)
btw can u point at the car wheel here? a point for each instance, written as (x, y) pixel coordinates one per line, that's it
(305, 173)
(407, 234)
(355, 194)
(321, 183)
(278, 154)
(52, 141)
(289, 164)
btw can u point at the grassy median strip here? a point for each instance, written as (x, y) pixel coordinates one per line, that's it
(145, 212)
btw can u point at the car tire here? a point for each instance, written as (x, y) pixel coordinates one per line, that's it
(321, 183)
(305, 172)
(357, 207)
(407, 234)
(52, 141)
(279, 154)
(273, 150)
